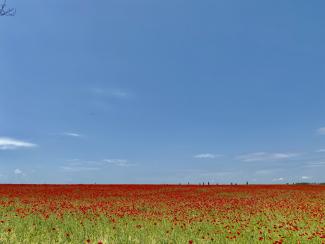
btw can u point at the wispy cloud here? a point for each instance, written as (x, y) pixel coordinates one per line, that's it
(321, 131)
(320, 151)
(77, 165)
(118, 162)
(78, 168)
(110, 93)
(7, 143)
(265, 171)
(72, 134)
(278, 179)
(263, 156)
(119, 94)
(18, 172)
(305, 177)
(315, 164)
(207, 156)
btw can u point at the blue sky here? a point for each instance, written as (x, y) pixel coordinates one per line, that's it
(154, 91)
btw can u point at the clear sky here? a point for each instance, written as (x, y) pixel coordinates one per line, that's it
(152, 91)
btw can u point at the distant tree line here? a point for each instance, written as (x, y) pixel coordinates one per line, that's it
(6, 11)
(247, 183)
(308, 183)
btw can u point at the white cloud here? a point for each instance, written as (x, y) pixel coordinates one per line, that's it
(7, 143)
(78, 168)
(118, 162)
(315, 164)
(72, 134)
(321, 131)
(278, 179)
(80, 163)
(77, 165)
(110, 93)
(263, 156)
(115, 161)
(18, 172)
(320, 151)
(207, 156)
(305, 177)
(119, 94)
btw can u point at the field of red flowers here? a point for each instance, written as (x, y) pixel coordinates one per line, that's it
(162, 214)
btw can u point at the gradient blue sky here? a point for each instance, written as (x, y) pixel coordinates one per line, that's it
(154, 91)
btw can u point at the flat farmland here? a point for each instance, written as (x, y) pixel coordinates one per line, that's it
(162, 214)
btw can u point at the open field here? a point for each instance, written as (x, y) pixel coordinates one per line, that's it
(162, 214)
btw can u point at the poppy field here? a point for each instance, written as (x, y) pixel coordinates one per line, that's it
(162, 214)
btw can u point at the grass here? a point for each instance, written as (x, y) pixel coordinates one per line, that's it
(162, 214)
